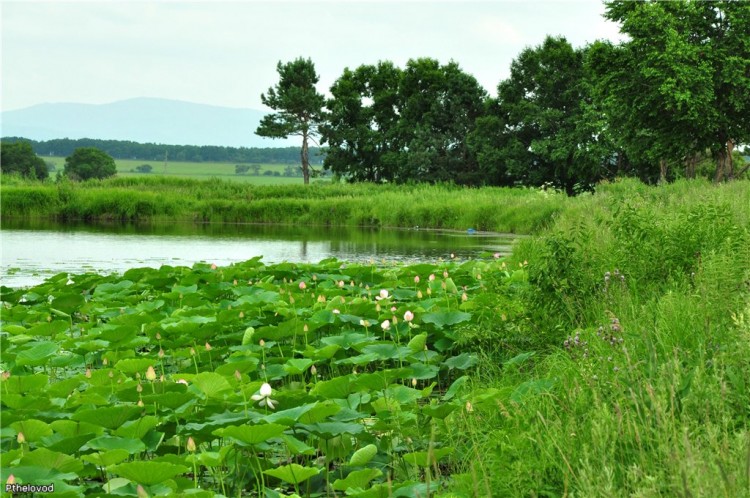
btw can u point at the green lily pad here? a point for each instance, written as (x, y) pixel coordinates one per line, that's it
(293, 474)
(148, 473)
(251, 434)
(359, 479)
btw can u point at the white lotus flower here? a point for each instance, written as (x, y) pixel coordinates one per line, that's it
(264, 396)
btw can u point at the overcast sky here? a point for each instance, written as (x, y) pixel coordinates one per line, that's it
(225, 53)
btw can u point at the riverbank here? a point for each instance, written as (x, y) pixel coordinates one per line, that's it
(168, 199)
(608, 356)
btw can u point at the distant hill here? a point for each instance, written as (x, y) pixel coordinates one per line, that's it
(141, 120)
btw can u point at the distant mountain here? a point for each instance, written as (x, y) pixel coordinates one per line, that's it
(141, 120)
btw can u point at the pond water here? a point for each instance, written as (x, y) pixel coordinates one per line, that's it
(35, 250)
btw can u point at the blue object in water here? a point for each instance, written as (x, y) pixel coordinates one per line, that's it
(470, 230)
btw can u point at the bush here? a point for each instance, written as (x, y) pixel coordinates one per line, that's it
(89, 162)
(144, 168)
(241, 169)
(20, 158)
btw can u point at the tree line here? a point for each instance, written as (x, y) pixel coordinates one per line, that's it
(660, 105)
(124, 149)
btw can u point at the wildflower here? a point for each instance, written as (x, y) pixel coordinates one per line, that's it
(386, 325)
(408, 316)
(302, 285)
(151, 373)
(190, 446)
(264, 396)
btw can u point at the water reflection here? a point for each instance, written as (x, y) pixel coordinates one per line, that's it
(34, 250)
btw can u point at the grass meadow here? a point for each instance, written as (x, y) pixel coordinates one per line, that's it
(197, 171)
(608, 356)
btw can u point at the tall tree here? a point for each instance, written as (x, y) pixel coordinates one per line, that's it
(544, 126)
(299, 107)
(440, 105)
(681, 84)
(361, 123)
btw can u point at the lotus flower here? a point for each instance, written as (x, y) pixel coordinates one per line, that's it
(264, 396)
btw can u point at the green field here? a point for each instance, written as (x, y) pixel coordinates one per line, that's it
(199, 171)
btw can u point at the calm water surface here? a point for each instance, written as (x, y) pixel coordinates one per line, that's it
(34, 250)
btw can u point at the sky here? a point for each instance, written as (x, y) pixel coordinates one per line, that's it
(225, 53)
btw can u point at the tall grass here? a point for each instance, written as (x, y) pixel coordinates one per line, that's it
(162, 198)
(637, 306)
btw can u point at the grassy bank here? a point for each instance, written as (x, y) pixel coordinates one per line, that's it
(637, 310)
(608, 357)
(162, 199)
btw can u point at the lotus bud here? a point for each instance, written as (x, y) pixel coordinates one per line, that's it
(140, 403)
(208, 346)
(262, 343)
(416, 279)
(302, 285)
(191, 447)
(313, 370)
(141, 492)
(464, 297)
(242, 314)
(161, 353)
(414, 382)
(305, 328)
(158, 336)
(20, 438)
(237, 375)
(151, 374)
(88, 373)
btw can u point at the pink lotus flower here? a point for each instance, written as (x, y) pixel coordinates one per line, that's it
(386, 325)
(302, 285)
(408, 316)
(416, 279)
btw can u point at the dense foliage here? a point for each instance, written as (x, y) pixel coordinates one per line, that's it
(246, 380)
(654, 106)
(122, 149)
(20, 158)
(87, 163)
